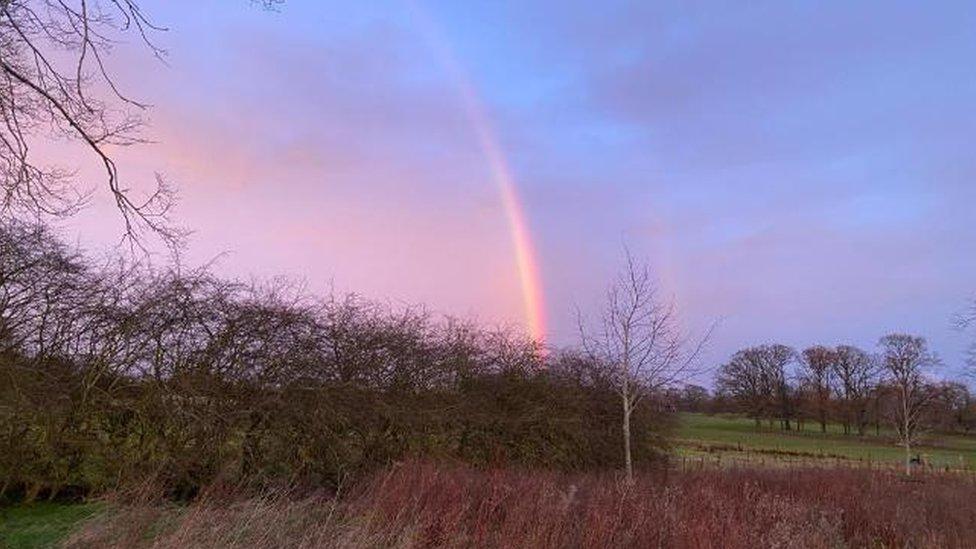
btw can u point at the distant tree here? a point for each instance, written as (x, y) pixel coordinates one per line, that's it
(639, 338)
(906, 359)
(965, 321)
(776, 359)
(855, 372)
(743, 380)
(954, 407)
(816, 374)
(693, 398)
(757, 377)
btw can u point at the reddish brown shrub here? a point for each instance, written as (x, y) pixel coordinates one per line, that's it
(436, 505)
(730, 508)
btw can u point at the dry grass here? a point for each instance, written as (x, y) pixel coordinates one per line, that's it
(428, 505)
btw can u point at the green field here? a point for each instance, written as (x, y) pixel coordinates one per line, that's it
(40, 524)
(734, 439)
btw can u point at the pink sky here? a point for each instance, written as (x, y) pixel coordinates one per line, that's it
(800, 175)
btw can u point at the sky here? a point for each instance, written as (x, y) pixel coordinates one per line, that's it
(797, 172)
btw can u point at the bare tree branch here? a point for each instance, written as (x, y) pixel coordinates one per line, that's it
(55, 84)
(638, 337)
(964, 321)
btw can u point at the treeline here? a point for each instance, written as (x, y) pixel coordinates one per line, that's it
(114, 373)
(846, 385)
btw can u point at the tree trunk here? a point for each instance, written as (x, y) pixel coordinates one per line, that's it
(33, 489)
(908, 459)
(628, 462)
(906, 432)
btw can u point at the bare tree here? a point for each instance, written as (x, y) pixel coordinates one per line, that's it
(639, 338)
(817, 374)
(954, 407)
(743, 379)
(693, 398)
(964, 321)
(855, 371)
(758, 377)
(774, 360)
(906, 359)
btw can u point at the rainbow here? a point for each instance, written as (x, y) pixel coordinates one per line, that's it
(530, 280)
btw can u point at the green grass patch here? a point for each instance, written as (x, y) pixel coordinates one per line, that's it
(41, 524)
(735, 435)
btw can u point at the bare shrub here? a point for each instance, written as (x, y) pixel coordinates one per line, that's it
(420, 504)
(175, 378)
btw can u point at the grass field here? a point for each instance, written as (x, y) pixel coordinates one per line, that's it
(41, 524)
(734, 439)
